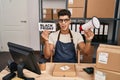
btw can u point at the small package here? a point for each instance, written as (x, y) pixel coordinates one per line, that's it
(64, 70)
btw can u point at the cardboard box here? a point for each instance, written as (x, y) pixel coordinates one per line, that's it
(64, 70)
(55, 16)
(55, 11)
(76, 3)
(77, 12)
(101, 74)
(109, 46)
(47, 11)
(101, 8)
(108, 57)
(47, 17)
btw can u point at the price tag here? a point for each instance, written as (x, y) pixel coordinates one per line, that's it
(47, 26)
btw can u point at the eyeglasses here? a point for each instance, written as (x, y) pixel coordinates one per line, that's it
(65, 20)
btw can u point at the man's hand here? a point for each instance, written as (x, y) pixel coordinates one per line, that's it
(45, 35)
(89, 35)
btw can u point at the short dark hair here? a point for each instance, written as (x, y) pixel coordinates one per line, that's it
(64, 12)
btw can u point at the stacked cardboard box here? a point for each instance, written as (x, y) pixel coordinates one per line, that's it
(101, 74)
(108, 62)
(76, 8)
(55, 11)
(101, 8)
(47, 14)
(50, 14)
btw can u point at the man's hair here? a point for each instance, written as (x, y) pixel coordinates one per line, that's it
(64, 12)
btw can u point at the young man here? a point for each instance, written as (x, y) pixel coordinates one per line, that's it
(62, 44)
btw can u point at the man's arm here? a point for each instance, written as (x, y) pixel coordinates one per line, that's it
(48, 50)
(86, 47)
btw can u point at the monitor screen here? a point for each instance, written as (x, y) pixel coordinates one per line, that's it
(25, 56)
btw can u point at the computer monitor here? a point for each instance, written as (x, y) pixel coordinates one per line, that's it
(24, 58)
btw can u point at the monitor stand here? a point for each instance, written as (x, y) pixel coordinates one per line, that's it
(12, 67)
(9, 76)
(20, 74)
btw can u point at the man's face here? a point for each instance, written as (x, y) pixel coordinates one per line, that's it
(64, 22)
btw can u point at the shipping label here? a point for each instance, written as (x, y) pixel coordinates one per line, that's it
(103, 57)
(100, 75)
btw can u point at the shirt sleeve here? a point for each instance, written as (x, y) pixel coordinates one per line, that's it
(51, 41)
(53, 37)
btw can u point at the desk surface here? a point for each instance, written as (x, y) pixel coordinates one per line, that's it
(47, 75)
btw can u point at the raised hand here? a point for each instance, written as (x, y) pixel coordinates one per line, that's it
(45, 35)
(88, 35)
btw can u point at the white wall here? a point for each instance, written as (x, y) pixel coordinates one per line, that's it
(54, 3)
(33, 19)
